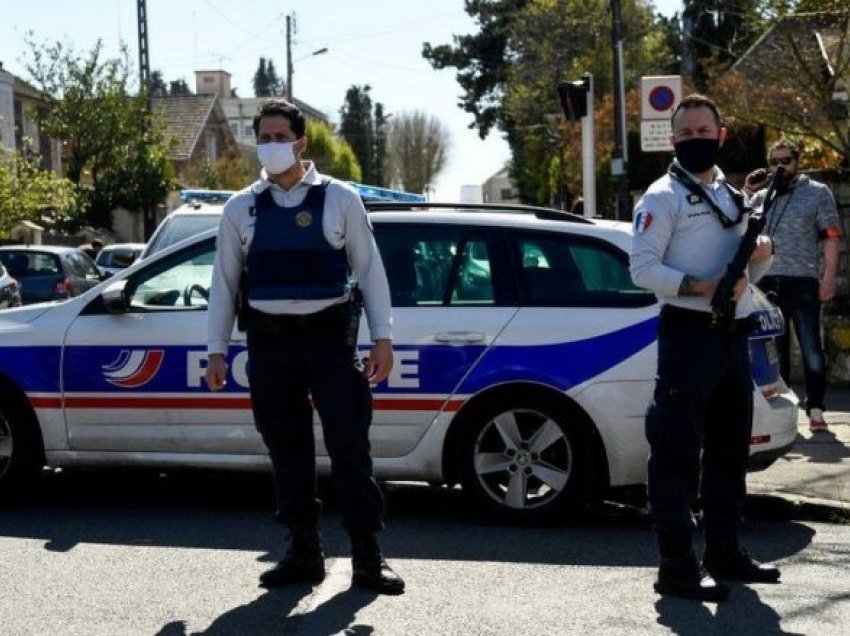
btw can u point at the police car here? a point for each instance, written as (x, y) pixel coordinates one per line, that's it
(525, 359)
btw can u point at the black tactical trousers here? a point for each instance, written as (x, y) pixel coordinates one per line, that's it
(698, 426)
(295, 364)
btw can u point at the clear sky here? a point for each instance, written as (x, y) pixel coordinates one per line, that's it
(374, 42)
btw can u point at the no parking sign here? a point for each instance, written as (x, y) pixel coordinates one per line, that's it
(659, 95)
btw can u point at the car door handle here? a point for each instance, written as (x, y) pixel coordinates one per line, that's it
(460, 337)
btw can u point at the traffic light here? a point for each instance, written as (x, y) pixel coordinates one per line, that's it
(573, 97)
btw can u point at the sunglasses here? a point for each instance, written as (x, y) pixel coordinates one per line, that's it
(781, 160)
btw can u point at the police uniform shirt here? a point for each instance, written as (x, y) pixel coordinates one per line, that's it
(677, 233)
(798, 220)
(344, 225)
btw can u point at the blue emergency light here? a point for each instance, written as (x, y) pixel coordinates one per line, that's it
(375, 193)
(205, 195)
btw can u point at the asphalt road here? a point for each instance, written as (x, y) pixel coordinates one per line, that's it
(112, 553)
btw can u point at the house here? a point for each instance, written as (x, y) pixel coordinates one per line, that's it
(499, 188)
(811, 45)
(198, 125)
(240, 111)
(20, 103)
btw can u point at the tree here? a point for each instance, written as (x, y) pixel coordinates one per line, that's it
(717, 32)
(114, 152)
(28, 193)
(158, 87)
(795, 84)
(262, 84)
(232, 171)
(481, 60)
(179, 87)
(417, 149)
(510, 70)
(275, 83)
(331, 155)
(380, 146)
(357, 127)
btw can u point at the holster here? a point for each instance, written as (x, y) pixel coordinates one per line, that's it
(355, 310)
(242, 303)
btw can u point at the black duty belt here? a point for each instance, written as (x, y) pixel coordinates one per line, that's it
(328, 319)
(679, 316)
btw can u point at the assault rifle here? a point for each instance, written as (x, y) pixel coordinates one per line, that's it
(722, 304)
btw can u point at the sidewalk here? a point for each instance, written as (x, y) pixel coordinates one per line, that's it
(817, 469)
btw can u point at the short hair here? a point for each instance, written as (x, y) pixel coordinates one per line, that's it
(695, 100)
(278, 107)
(785, 144)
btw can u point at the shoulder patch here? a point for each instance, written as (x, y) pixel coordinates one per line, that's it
(643, 220)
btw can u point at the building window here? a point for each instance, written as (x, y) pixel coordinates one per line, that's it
(234, 128)
(507, 194)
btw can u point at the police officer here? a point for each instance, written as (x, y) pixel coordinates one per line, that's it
(295, 235)
(687, 227)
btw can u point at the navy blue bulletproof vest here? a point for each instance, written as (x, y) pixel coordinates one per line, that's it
(289, 257)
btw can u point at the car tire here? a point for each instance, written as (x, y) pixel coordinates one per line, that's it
(20, 451)
(526, 457)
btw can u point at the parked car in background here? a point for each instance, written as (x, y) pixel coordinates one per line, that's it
(10, 291)
(49, 272)
(200, 211)
(113, 258)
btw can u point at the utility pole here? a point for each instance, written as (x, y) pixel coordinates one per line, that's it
(289, 58)
(144, 61)
(620, 154)
(148, 220)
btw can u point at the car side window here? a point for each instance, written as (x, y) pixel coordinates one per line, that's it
(83, 267)
(435, 265)
(568, 270)
(179, 282)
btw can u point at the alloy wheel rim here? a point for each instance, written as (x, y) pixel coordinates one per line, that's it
(523, 459)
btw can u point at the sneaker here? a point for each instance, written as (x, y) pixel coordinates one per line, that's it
(816, 421)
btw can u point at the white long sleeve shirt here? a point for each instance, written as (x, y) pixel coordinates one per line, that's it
(677, 234)
(344, 224)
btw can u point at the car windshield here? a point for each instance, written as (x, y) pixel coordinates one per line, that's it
(182, 227)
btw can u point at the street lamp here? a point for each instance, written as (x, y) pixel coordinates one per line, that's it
(290, 61)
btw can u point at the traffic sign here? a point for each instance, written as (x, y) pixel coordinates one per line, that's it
(659, 95)
(655, 135)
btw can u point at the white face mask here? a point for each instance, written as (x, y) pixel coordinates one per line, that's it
(276, 156)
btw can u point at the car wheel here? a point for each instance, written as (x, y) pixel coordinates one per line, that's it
(20, 448)
(526, 458)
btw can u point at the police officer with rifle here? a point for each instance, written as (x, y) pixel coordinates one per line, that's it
(693, 246)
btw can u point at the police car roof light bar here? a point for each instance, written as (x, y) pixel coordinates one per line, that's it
(205, 195)
(376, 193)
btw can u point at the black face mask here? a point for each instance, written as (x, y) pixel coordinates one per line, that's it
(697, 155)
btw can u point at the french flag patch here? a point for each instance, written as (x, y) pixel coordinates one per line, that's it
(642, 221)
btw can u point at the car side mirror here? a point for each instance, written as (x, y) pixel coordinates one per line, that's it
(115, 297)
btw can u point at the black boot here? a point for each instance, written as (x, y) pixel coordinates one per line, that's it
(681, 575)
(369, 569)
(731, 562)
(304, 560)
